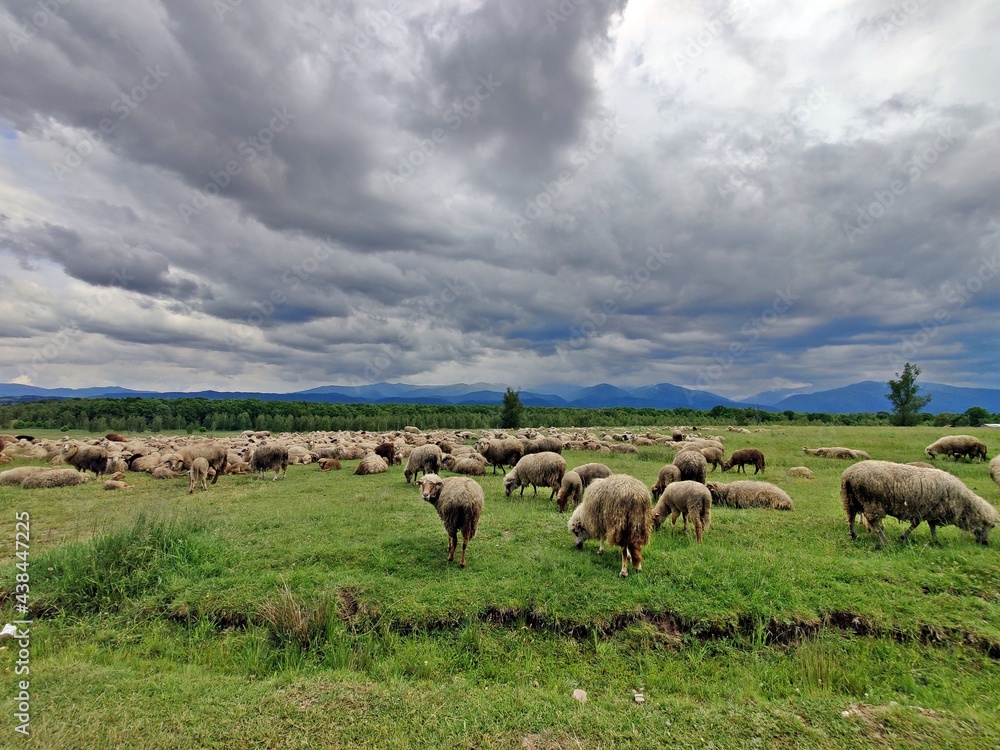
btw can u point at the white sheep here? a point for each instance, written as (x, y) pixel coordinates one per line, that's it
(685, 498)
(545, 469)
(615, 510)
(459, 504)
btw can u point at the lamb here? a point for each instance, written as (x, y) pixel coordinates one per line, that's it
(911, 493)
(668, 473)
(957, 446)
(328, 464)
(692, 466)
(615, 510)
(116, 484)
(502, 453)
(594, 470)
(844, 454)
(571, 491)
(269, 457)
(214, 452)
(543, 469)
(54, 478)
(462, 465)
(459, 503)
(750, 494)
(372, 463)
(388, 452)
(685, 498)
(995, 469)
(425, 459)
(800, 472)
(86, 458)
(198, 473)
(740, 458)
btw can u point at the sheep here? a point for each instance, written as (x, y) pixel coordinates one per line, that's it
(459, 503)
(543, 469)
(743, 456)
(594, 470)
(116, 484)
(328, 464)
(114, 437)
(957, 446)
(844, 454)
(692, 466)
(425, 459)
(198, 474)
(269, 457)
(800, 472)
(615, 510)
(163, 471)
(372, 463)
(298, 455)
(144, 463)
(54, 478)
(14, 477)
(86, 458)
(388, 452)
(668, 473)
(750, 494)
(626, 448)
(502, 453)
(213, 451)
(462, 465)
(570, 491)
(911, 493)
(685, 498)
(995, 469)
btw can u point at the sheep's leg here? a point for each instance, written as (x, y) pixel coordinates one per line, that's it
(465, 543)
(850, 524)
(624, 570)
(635, 552)
(600, 550)
(913, 524)
(452, 544)
(698, 529)
(673, 519)
(933, 532)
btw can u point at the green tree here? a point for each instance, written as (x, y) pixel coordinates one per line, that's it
(978, 416)
(905, 399)
(510, 415)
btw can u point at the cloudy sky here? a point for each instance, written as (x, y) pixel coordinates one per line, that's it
(731, 196)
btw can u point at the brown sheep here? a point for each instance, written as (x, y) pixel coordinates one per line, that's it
(589, 472)
(328, 464)
(692, 466)
(214, 452)
(502, 453)
(86, 457)
(615, 510)
(571, 491)
(388, 452)
(459, 503)
(668, 473)
(740, 458)
(685, 498)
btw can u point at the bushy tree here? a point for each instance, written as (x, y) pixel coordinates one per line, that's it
(510, 416)
(977, 415)
(904, 396)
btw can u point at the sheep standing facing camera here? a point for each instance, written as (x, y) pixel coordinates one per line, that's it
(459, 504)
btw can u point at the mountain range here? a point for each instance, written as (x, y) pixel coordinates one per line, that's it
(866, 396)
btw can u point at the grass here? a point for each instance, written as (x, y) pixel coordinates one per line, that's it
(320, 610)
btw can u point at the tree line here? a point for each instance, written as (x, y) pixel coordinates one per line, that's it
(190, 415)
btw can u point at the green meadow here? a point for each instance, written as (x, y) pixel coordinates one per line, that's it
(319, 611)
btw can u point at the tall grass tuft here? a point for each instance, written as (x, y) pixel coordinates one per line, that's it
(296, 622)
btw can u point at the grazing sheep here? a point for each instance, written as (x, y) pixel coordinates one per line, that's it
(750, 494)
(54, 478)
(544, 469)
(425, 459)
(958, 446)
(269, 457)
(213, 451)
(685, 498)
(388, 452)
(459, 503)
(692, 466)
(615, 510)
(800, 472)
(594, 470)
(328, 464)
(462, 465)
(571, 491)
(713, 455)
(911, 493)
(14, 477)
(502, 453)
(844, 454)
(740, 458)
(995, 469)
(86, 458)
(372, 463)
(668, 473)
(198, 474)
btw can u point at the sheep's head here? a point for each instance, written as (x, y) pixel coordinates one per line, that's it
(430, 487)
(576, 527)
(714, 488)
(508, 483)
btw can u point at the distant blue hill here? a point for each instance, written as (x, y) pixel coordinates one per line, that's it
(869, 396)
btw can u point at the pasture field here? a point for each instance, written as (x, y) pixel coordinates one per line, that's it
(319, 611)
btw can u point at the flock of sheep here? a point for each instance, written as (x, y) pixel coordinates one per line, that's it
(617, 509)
